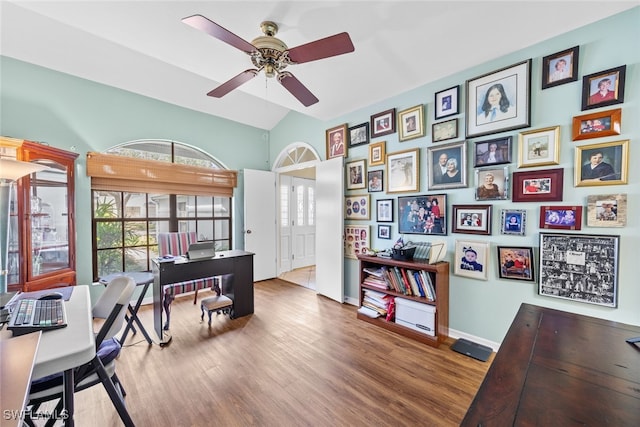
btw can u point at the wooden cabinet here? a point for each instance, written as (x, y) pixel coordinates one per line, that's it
(439, 274)
(41, 238)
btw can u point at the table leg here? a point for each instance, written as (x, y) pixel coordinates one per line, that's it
(68, 390)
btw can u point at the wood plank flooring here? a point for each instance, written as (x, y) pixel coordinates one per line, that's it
(299, 360)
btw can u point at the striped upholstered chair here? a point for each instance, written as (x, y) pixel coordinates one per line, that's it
(177, 244)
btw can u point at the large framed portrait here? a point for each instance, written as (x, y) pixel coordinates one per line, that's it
(561, 217)
(411, 123)
(424, 214)
(336, 145)
(607, 210)
(357, 207)
(513, 221)
(492, 152)
(443, 131)
(447, 166)
(471, 219)
(595, 125)
(516, 263)
(356, 238)
(471, 259)
(580, 267)
(603, 88)
(602, 164)
(538, 186)
(383, 123)
(403, 171)
(560, 68)
(446, 103)
(359, 134)
(377, 153)
(375, 181)
(384, 210)
(500, 100)
(492, 183)
(356, 174)
(539, 147)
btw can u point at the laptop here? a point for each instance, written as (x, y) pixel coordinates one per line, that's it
(201, 250)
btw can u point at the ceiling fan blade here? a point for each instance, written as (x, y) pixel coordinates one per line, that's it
(208, 26)
(230, 85)
(323, 48)
(297, 89)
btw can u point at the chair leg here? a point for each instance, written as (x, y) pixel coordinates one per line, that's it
(167, 311)
(195, 298)
(112, 392)
(117, 383)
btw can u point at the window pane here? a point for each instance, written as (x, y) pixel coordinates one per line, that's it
(135, 259)
(222, 245)
(156, 227)
(135, 205)
(284, 206)
(190, 156)
(205, 207)
(311, 206)
(222, 206)
(205, 230)
(109, 261)
(300, 204)
(154, 210)
(135, 233)
(185, 226)
(151, 150)
(186, 206)
(106, 204)
(108, 234)
(222, 229)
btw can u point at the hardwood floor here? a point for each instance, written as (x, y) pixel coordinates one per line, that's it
(299, 360)
(305, 276)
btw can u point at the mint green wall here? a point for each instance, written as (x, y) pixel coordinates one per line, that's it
(485, 308)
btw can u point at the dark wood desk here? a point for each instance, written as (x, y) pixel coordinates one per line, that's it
(239, 288)
(558, 368)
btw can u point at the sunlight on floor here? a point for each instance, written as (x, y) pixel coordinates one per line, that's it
(305, 276)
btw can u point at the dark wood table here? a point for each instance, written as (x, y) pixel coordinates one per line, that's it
(558, 368)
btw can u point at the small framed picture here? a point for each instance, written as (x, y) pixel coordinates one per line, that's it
(384, 232)
(356, 239)
(560, 68)
(513, 221)
(411, 123)
(607, 210)
(443, 131)
(403, 171)
(374, 178)
(603, 88)
(595, 125)
(516, 262)
(336, 137)
(471, 259)
(356, 174)
(447, 166)
(579, 267)
(538, 186)
(492, 152)
(561, 217)
(357, 207)
(384, 210)
(471, 219)
(446, 102)
(500, 100)
(602, 164)
(377, 153)
(359, 134)
(383, 123)
(423, 214)
(539, 147)
(492, 183)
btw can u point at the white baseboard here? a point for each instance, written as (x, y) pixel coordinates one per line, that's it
(457, 334)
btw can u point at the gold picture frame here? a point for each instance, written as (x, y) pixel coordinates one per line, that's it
(377, 153)
(539, 147)
(411, 123)
(601, 164)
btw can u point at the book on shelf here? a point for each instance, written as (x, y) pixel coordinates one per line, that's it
(419, 284)
(368, 312)
(429, 288)
(414, 285)
(377, 272)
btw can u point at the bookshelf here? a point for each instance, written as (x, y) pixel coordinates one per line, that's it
(439, 275)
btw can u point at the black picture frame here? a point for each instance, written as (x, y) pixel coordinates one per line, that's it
(591, 84)
(384, 232)
(516, 263)
(471, 219)
(502, 154)
(375, 181)
(413, 212)
(444, 131)
(560, 68)
(384, 210)
(359, 134)
(446, 103)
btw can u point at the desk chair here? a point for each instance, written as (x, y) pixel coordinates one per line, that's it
(110, 307)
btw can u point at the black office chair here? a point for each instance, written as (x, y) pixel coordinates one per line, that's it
(111, 306)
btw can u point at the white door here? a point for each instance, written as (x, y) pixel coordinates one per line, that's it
(329, 229)
(285, 223)
(260, 221)
(304, 222)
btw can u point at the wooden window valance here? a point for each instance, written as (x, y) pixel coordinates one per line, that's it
(120, 173)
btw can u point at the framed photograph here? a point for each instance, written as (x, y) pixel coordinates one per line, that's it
(411, 123)
(356, 174)
(356, 238)
(424, 214)
(374, 178)
(384, 210)
(446, 102)
(560, 68)
(359, 134)
(595, 125)
(602, 164)
(357, 207)
(377, 153)
(603, 88)
(336, 137)
(471, 259)
(403, 171)
(580, 267)
(539, 147)
(561, 217)
(500, 100)
(607, 210)
(538, 186)
(515, 262)
(445, 130)
(383, 123)
(384, 232)
(492, 183)
(471, 219)
(447, 166)
(492, 152)
(513, 221)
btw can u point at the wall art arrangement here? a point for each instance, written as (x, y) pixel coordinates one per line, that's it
(356, 238)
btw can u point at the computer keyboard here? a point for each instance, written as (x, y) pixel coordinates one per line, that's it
(32, 315)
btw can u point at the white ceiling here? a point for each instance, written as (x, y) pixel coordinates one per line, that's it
(143, 47)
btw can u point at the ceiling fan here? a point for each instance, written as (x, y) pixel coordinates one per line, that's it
(272, 55)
